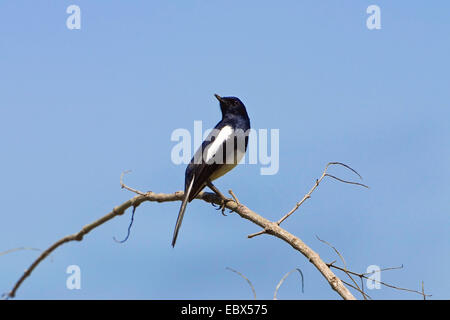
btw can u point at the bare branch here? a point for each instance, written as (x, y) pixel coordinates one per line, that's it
(270, 228)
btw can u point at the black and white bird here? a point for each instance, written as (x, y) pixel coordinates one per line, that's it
(220, 152)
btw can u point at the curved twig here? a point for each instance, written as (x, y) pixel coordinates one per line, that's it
(246, 279)
(129, 228)
(284, 278)
(346, 166)
(18, 249)
(345, 266)
(345, 181)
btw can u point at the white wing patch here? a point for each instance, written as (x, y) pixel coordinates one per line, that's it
(224, 134)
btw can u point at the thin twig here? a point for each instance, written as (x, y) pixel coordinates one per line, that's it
(384, 269)
(345, 265)
(423, 292)
(365, 295)
(335, 250)
(284, 278)
(248, 281)
(129, 228)
(345, 181)
(256, 234)
(123, 186)
(18, 249)
(234, 196)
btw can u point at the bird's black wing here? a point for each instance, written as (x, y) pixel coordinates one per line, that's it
(202, 171)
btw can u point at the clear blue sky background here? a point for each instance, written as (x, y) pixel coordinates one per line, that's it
(78, 107)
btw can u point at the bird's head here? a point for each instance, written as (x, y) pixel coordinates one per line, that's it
(231, 105)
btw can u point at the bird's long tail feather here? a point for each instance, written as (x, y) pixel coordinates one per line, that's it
(181, 213)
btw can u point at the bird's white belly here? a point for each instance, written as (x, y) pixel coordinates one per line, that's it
(233, 158)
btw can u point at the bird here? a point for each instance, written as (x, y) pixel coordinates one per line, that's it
(219, 153)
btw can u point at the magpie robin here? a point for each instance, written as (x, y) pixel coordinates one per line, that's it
(220, 152)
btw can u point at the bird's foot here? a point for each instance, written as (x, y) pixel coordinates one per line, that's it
(223, 199)
(223, 205)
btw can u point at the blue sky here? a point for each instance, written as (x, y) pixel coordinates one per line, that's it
(78, 107)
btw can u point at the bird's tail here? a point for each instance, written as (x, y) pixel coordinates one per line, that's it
(181, 213)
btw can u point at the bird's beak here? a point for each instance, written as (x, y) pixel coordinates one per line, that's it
(218, 97)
